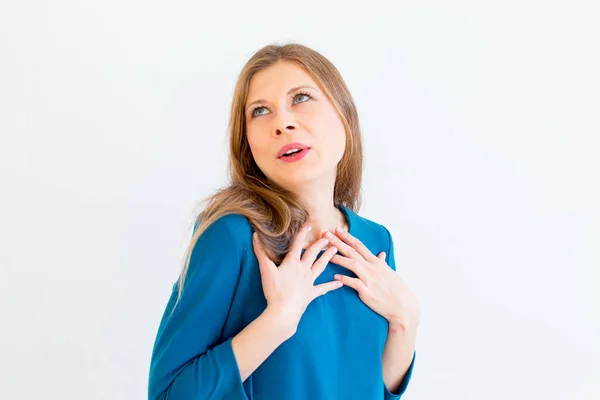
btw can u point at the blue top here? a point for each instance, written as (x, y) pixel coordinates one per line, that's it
(336, 352)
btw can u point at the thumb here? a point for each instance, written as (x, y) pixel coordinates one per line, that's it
(265, 264)
(381, 256)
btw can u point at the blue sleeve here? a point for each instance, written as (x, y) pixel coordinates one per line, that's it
(387, 395)
(188, 361)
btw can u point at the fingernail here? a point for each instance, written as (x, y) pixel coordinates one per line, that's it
(340, 230)
(329, 235)
(309, 228)
(339, 284)
(254, 236)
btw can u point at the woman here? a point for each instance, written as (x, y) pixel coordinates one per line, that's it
(273, 301)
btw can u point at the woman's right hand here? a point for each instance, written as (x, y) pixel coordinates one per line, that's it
(290, 288)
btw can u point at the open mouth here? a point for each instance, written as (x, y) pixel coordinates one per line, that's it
(291, 153)
(294, 155)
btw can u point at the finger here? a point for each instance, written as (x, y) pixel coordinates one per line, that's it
(296, 247)
(320, 265)
(264, 262)
(323, 288)
(381, 256)
(351, 264)
(344, 248)
(354, 283)
(355, 243)
(310, 255)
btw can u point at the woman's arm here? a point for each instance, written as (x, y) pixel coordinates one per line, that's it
(258, 340)
(189, 359)
(399, 352)
(398, 361)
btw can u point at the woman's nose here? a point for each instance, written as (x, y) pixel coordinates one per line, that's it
(285, 123)
(286, 128)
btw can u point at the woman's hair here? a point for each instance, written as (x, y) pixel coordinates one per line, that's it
(276, 214)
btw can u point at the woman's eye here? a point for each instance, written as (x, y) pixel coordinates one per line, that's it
(254, 111)
(302, 94)
(254, 114)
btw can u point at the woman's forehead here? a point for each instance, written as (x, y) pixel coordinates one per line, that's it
(277, 79)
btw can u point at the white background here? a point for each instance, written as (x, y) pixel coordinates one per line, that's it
(481, 135)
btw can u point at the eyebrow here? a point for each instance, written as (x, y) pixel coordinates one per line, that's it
(288, 93)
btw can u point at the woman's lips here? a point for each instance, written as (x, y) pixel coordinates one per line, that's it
(296, 156)
(291, 146)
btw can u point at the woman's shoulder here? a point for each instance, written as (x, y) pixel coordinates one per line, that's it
(233, 227)
(373, 234)
(223, 241)
(370, 231)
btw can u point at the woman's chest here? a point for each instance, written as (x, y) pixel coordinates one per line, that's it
(338, 318)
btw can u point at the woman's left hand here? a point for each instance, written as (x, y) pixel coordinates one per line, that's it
(377, 285)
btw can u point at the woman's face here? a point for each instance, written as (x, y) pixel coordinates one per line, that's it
(286, 106)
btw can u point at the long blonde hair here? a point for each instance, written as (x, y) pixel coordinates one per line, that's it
(275, 213)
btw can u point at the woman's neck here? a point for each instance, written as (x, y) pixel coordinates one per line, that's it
(324, 220)
(323, 215)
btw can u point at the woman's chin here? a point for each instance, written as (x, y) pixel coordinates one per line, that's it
(300, 178)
